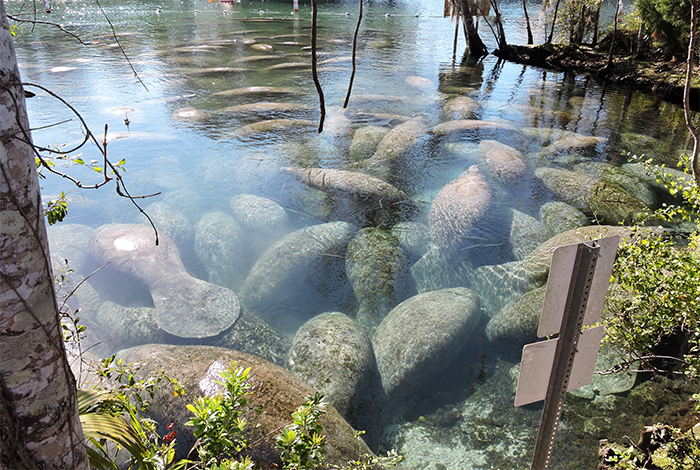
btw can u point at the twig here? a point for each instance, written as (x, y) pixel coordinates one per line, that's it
(114, 34)
(354, 55)
(314, 71)
(35, 21)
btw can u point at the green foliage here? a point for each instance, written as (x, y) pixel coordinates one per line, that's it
(56, 209)
(302, 442)
(116, 414)
(371, 462)
(656, 285)
(662, 447)
(668, 21)
(218, 422)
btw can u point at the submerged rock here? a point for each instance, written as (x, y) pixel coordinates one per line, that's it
(185, 306)
(357, 197)
(275, 395)
(286, 285)
(418, 338)
(458, 206)
(332, 353)
(220, 245)
(377, 269)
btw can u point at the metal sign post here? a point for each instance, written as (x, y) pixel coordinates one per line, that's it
(578, 282)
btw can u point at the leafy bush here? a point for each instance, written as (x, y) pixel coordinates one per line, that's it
(653, 309)
(219, 425)
(302, 442)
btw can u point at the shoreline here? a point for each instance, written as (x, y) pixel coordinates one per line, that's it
(661, 78)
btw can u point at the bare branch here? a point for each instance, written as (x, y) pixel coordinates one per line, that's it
(49, 23)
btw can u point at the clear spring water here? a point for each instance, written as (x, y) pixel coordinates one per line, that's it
(179, 143)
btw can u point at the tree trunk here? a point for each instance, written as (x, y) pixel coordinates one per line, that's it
(530, 40)
(690, 63)
(39, 423)
(476, 45)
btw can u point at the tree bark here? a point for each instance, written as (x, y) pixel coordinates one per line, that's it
(39, 422)
(530, 40)
(690, 63)
(476, 45)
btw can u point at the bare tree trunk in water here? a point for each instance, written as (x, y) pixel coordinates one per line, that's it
(554, 22)
(476, 45)
(530, 40)
(39, 422)
(612, 40)
(690, 63)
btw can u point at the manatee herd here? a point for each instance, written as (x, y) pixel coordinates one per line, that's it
(358, 284)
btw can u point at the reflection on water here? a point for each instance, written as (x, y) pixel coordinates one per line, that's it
(434, 190)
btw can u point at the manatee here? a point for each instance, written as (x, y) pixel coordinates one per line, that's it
(461, 107)
(421, 83)
(271, 125)
(609, 202)
(220, 244)
(285, 285)
(504, 163)
(526, 234)
(175, 225)
(458, 206)
(493, 129)
(290, 65)
(362, 198)
(335, 60)
(274, 390)
(614, 174)
(258, 91)
(378, 271)
(259, 216)
(365, 141)
(390, 160)
(559, 217)
(185, 306)
(262, 47)
(213, 71)
(256, 58)
(122, 327)
(573, 144)
(332, 353)
(441, 268)
(70, 242)
(413, 238)
(418, 339)
(518, 320)
(264, 109)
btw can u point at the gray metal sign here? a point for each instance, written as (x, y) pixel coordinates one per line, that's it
(576, 289)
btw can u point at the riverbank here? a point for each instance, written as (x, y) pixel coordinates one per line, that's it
(649, 73)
